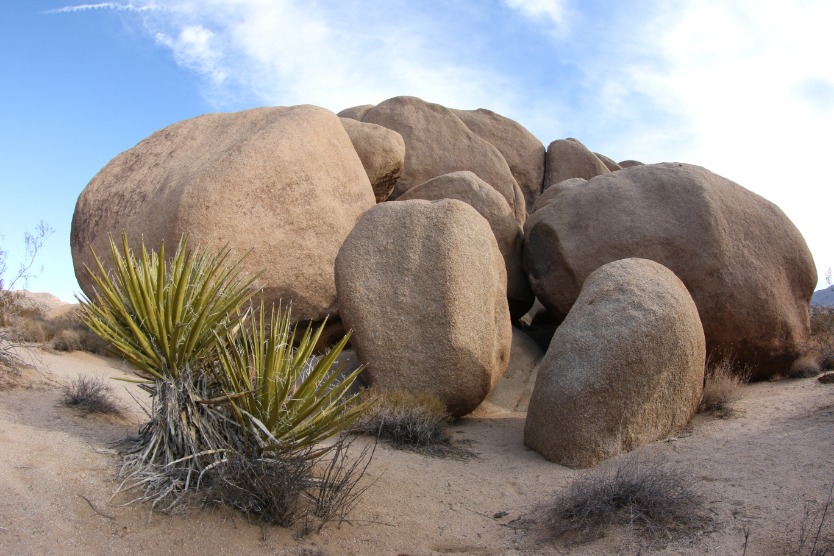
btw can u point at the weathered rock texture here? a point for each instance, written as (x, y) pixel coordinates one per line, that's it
(472, 190)
(522, 151)
(626, 367)
(283, 182)
(746, 265)
(437, 142)
(382, 152)
(568, 158)
(422, 286)
(554, 190)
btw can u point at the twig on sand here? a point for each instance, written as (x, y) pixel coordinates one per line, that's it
(99, 512)
(510, 524)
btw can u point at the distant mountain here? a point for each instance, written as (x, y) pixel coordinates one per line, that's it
(824, 297)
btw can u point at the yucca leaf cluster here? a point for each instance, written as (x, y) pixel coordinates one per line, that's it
(227, 382)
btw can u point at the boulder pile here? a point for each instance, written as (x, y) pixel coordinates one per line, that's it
(431, 231)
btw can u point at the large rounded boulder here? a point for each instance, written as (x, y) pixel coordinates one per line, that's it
(472, 190)
(284, 185)
(422, 285)
(746, 265)
(625, 368)
(522, 151)
(437, 142)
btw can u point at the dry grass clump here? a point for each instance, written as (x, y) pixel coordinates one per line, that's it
(90, 395)
(649, 497)
(722, 386)
(816, 533)
(414, 422)
(806, 366)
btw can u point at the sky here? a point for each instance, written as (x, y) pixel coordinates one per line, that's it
(743, 88)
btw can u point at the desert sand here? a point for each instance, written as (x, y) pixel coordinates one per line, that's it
(757, 470)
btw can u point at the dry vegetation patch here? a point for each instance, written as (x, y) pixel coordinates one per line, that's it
(90, 395)
(723, 383)
(414, 422)
(649, 497)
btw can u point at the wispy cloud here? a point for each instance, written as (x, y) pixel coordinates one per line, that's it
(117, 6)
(744, 88)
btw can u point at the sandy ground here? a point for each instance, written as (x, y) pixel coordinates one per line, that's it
(757, 471)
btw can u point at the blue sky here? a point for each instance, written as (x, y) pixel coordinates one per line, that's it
(743, 88)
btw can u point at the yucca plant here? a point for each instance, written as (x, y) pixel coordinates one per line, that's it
(283, 396)
(161, 317)
(230, 394)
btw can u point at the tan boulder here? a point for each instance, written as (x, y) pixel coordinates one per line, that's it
(422, 286)
(554, 190)
(284, 182)
(472, 190)
(522, 151)
(746, 265)
(437, 142)
(382, 152)
(629, 163)
(568, 158)
(355, 112)
(625, 368)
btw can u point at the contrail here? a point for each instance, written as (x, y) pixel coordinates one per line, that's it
(105, 6)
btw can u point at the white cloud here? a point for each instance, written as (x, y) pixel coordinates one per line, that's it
(745, 89)
(552, 12)
(332, 54)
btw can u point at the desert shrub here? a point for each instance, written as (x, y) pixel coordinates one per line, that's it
(415, 422)
(806, 366)
(288, 487)
(230, 392)
(816, 531)
(10, 300)
(722, 386)
(650, 497)
(66, 340)
(90, 395)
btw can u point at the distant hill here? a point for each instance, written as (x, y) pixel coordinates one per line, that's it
(824, 297)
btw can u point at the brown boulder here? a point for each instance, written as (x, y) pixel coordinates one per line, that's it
(422, 286)
(629, 163)
(522, 151)
(609, 163)
(472, 190)
(626, 367)
(382, 152)
(284, 182)
(437, 142)
(568, 158)
(745, 263)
